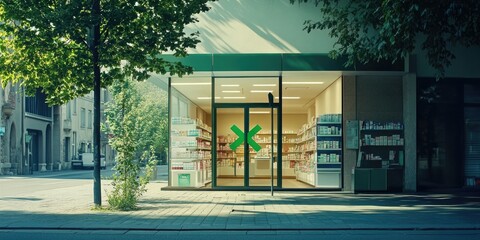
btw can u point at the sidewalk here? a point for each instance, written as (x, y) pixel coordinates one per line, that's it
(70, 208)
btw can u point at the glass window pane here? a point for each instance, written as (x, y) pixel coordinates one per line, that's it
(472, 93)
(190, 133)
(230, 154)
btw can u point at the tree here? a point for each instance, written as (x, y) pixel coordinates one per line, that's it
(61, 46)
(133, 122)
(154, 118)
(389, 30)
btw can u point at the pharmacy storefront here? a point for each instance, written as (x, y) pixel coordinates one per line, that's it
(325, 127)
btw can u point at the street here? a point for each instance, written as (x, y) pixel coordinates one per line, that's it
(18, 185)
(14, 186)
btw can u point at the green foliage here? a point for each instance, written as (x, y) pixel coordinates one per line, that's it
(133, 123)
(45, 44)
(374, 30)
(154, 117)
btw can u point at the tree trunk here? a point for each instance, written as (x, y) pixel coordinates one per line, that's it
(97, 194)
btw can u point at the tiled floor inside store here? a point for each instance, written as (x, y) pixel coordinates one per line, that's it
(287, 183)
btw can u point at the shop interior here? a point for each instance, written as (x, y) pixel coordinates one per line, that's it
(229, 144)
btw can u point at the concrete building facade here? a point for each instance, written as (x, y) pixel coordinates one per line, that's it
(37, 137)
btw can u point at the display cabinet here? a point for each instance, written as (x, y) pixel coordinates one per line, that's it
(329, 151)
(381, 157)
(190, 153)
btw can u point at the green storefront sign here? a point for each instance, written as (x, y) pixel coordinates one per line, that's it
(241, 138)
(184, 180)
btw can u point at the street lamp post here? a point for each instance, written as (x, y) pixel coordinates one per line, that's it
(270, 102)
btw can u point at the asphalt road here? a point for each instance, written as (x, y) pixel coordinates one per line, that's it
(11, 186)
(234, 235)
(15, 185)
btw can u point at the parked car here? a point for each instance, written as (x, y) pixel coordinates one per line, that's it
(86, 161)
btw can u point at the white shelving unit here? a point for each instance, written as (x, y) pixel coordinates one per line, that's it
(306, 147)
(229, 163)
(329, 151)
(190, 153)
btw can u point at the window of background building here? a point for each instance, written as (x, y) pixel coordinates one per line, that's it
(75, 106)
(82, 148)
(69, 111)
(105, 95)
(37, 104)
(89, 118)
(82, 117)
(74, 145)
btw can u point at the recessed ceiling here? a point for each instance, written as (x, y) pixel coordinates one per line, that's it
(299, 88)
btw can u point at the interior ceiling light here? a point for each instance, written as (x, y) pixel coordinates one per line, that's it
(288, 98)
(261, 91)
(295, 88)
(231, 91)
(259, 112)
(302, 83)
(230, 85)
(265, 85)
(191, 84)
(206, 98)
(233, 97)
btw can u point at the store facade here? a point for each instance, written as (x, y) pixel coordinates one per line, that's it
(334, 128)
(223, 127)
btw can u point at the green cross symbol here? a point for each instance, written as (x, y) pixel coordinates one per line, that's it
(241, 139)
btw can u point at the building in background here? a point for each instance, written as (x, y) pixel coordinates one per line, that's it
(53, 135)
(74, 132)
(11, 125)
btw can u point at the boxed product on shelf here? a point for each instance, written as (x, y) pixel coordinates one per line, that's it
(186, 133)
(328, 145)
(204, 126)
(184, 144)
(393, 140)
(372, 125)
(184, 153)
(188, 166)
(225, 139)
(177, 166)
(328, 158)
(329, 130)
(331, 118)
(182, 120)
(306, 127)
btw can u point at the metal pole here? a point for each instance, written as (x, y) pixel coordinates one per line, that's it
(271, 124)
(270, 101)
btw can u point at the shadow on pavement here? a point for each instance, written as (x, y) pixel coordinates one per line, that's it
(288, 211)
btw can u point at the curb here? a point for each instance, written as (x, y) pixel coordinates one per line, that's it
(242, 229)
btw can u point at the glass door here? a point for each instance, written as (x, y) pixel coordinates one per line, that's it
(241, 118)
(230, 147)
(243, 155)
(262, 167)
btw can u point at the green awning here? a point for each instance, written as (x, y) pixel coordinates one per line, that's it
(275, 62)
